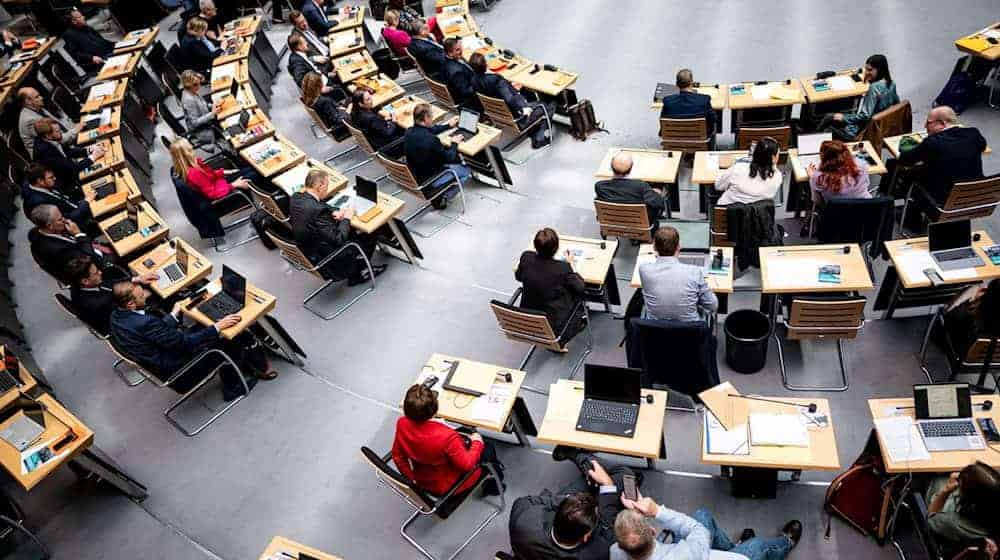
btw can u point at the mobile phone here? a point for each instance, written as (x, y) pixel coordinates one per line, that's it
(430, 382)
(630, 490)
(989, 429)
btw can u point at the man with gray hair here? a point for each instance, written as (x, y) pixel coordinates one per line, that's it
(55, 240)
(32, 110)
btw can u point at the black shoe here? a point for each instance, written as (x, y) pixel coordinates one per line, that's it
(440, 203)
(378, 269)
(793, 530)
(564, 452)
(747, 534)
(536, 145)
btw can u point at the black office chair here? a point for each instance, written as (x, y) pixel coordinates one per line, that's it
(60, 72)
(156, 57)
(867, 222)
(262, 45)
(146, 87)
(982, 356)
(135, 118)
(678, 354)
(206, 215)
(16, 541)
(67, 102)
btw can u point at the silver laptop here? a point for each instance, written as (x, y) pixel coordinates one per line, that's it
(175, 271)
(363, 199)
(808, 146)
(950, 244)
(944, 417)
(22, 432)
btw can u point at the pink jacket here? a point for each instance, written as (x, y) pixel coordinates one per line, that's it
(397, 39)
(209, 182)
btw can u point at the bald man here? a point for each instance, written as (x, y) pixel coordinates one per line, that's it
(32, 110)
(951, 153)
(623, 190)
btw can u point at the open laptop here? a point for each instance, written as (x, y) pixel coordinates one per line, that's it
(230, 298)
(664, 90)
(363, 199)
(950, 244)
(944, 417)
(468, 124)
(175, 271)
(126, 227)
(241, 126)
(105, 188)
(808, 147)
(610, 400)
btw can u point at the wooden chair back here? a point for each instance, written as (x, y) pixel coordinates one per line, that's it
(360, 138)
(719, 228)
(630, 221)
(747, 135)
(976, 354)
(525, 326)
(498, 112)
(826, 318)
(896, 120)
(268, 204)
(972, 199)
(400, 174)
(416, 63)
(688, 135)
(294, 255)
(441, 93)
(314, 116)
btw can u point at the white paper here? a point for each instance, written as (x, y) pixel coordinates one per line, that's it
(101, 90)
(841, 83)
(344, 41)
(712, 162)
(791, 270)
(427, 372)
(992, 34)
(720, 441)
(126, 43)
(901, 440)
(784, 430)
(472, 43)
(116, 61)
(295, 178)
(106, 116)
(491, 406)
(224, 71)
(761, 93)
(450, 21)
(647, 165)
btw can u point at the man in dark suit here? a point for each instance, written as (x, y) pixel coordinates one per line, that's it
(688, 103)
(380, 130)
(623, 190)
(40, 187)
(458, 76)
(496, 86)
(65, 161)
(300, 62)
(56, 240)
(316, 16)
(317, 45)
(951, 153)
(427, 157)
(550, 285)
(319, 231)
(90, 292)
(428, 53)
(87, 47)
(198, 52)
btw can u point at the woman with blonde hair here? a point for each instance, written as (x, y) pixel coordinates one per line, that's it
(199, 115)
(328, 110)
(211, 183)
(396, 38)
(198, 51)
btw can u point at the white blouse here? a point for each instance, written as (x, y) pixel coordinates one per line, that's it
(740, 187)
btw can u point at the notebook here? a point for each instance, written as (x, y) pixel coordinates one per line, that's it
(778, 430)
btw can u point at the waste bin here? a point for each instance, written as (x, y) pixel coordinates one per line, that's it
(746, 340)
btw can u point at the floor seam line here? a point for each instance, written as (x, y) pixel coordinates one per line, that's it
(177, 530)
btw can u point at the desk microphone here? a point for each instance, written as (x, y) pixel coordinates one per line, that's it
(846, 249)
(811, 407)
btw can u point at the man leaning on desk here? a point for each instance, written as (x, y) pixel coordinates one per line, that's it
(688, 103)
(623, 190)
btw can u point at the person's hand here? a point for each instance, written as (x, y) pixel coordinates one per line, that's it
(227, 322)
(599, 475)
(839, 117)
(347, 213)
(457, 138)
(517, 85)
(147, 278)
(8, 36)
(72, 228)
(385, 114)
(643, 505)
(326, 89)
(990, 548)
(952, 483)
(216, 109)
(96, 152)
(811, 170)
(453, 122)
(97, 60)
(320, 59)
(569, 257)
(241, 183)
(476, 436)
(176, 309)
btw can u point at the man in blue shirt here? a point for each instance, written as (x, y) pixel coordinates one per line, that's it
(688, 103)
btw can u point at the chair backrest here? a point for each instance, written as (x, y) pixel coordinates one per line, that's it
(972, 199)
(175, 56)
(69, 104)
(134, 115)
(498, 112)
(360, 138)
(856, 220)
(314, 116)
(896, 120)
(441, 93)
(416, 63)
(68, 307)
(146, 87)
(175, 124)
(630, 221)
(171, 81)
(688, 135)
(197, 209)
(64, 70)
(719, 229)
(263, 100)
(398, 482)
(263, 47)
(747, 135)
(977, 353)
(156, 56)
(678, 354)
(400, 174)
(268, 204)
(294, 255)
(820, 318)
(525, 325)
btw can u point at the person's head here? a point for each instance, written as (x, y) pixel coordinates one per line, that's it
(76, 19)
(836, 164)
(634, 535)
(621, 164)
(546, 242)
(877, 68)
(30, 98)
(196, 27)
(317, 182)
(312, 88)
(684, 78)
(129, 295)
(391, 18)
(48, 129)
(191, 80)
(48, 218)
(82, 272)
(420, 403)
(422, 115)
(297, 42)
(667, 241)
(183, 157)
(361, 99)
(453, 48)
(575, 519)
(764, 159)
(940, 118)
(979, 489)
(478, 63)
(423, 30)
(298, 20)
(989, 309)
(208, 8)
(41, 177)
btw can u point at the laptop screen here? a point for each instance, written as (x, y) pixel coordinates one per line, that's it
(244, 118)
(614, 384)
(182, 259)
(234, 88)
(468, 121)
(234, 284)
(950, 235)
(942, 401)
(366, 188)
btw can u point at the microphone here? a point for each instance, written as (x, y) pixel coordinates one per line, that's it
(811, 407)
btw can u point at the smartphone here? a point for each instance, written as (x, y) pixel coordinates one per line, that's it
(630, 490)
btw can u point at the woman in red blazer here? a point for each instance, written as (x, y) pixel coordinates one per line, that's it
(432, 454)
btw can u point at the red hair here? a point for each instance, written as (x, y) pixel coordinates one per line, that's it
(836, 164)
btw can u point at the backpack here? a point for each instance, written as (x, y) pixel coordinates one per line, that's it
(864, 494)
(386, 62)
(959, 92)
(582, 120)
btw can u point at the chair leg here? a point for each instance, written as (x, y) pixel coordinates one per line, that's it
(784, 373)
(192, 391)
(923, 349)
(586, 351)
(124, 377)
(424, 208)
(334, 315)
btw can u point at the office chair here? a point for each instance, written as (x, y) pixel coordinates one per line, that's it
(499, 113)
(15, 539)
(686, 135)
(400, 174)
(867, 222)
(678, 354)
(206, 215)
(981, 357)
(966, 200)
(366, 147)
(839, 318)
(629, 221)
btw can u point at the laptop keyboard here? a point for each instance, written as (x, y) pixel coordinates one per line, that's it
(121, 230)
(173, 272)
(220, 305)
(948, 429)
(7, 382)
(104, 191)
(598, 411)
(957, 254)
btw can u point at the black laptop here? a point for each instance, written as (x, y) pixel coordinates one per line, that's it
(611, 398)
(230, 299)
(124, 228)
(468, 124)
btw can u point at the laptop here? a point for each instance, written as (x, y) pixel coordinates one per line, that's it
(175, 271)
(241, 126)
(106, 188)
(363, 199)
(610, 400)
(944, 417)
(468, 124)
(950, 245)
(24, 430)
(229, 300)
(808, 146)
(126, 227)
(664, 90)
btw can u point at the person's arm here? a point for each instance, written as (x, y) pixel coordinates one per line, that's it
(463, 459)
(574, 283)
(706, 297)
(916, 154)
(654, 200)
(724, 180)
(335, 232)
(400, 459)
(688, 533)
(938, 500)
(520, 264)
(710, 117)
(981, 141)
(865, 110)
(298, 71)
(168, 336)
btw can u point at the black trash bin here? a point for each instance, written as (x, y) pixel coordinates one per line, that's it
(746, 340)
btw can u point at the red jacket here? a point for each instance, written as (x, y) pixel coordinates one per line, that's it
(433, 455)
(209, 182)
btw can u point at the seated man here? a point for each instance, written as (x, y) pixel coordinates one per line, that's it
(428, 53)
(432, 454)
(87, 47)
(90, 291)
(66, 162)
(576, 522)
(950, 153)
(320, 230)
(316, 15)
(623, 190)
(549, 285)
(496, 86)
(316, 46)
(40, 187)
(32, 110)
(672, 290)
(688, 103)
(458, 76)
(427, 157)
(55, 241)
(301, 63)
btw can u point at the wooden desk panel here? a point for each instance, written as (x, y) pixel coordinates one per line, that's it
(123, 70)
(242, 27)
(45, 45)
(389, 207)
(143, 39)
(346, 42)
(595, 261)
(223, 75)
(718, 283)
(549, 82)
(288, 155)
(978, 45)
(103, 131)
(857, 89)
(113, 159)
(704, 173)
(147, 217)
(654, 166)
(486, 136)
(353, 66)
(345, 19)
(853, 270)
(240, 52)
(125, 189)
(199, 267)
(259, 128)
(898, 249)
(746, 99)
(457, 25)
(281, 544)
(457, 407)
(799, 174)
(97, 103)
(384, 89)
(401, 110)
(257, 304)
(58, 423)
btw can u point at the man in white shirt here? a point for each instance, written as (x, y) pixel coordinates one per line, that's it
(317, 46)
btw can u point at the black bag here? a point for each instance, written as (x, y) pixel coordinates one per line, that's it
(958, 93)
(262, 221)
(386, 62)
(582, 120)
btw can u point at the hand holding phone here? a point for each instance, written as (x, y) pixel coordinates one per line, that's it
(630, 490)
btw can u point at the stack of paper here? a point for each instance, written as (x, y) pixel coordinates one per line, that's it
(841, 83)
(102, 89)
(224, 71)
(785, 93)
(116, 61)
(782, 430)
(720, 441)
(472, 43)
(491, 406)
(788, 270)
(344, 40)
(901, 440)
(712, 162)
(761, 93)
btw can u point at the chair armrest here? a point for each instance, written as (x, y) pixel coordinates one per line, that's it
(515, 296)
(582, 303)
(329, 257)
(236, 193)
(211, 351)
(446, 171)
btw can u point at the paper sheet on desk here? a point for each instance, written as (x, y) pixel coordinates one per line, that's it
(761, 93)
(648, 165)
(992, 33)
(344, 41)
(102, 89)
(783, 430)
(712, 162)
(490, 407)
(472, 43)
(913, 262)
(720, 441)
(901, 439)
(224, 71)
(562, 406)
(788, 270)
(116, 61)
(841, 83)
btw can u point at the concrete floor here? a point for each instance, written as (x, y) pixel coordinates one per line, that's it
(286, 460)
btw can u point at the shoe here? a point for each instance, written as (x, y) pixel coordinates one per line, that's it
(563, 452)
(267, 375)
(440, 203)
(391, 242)
(746, 535)
(378, 269)
(536, 145)
(793, 530)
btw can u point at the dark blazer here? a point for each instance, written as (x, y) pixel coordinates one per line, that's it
(52, 252)
(458, 76)
(550, 286)
(531, 519)
(329, 112)
(632, 191)
(689, 104)
(299, 66)
(60, 160)
(379, 132)
(495, 85)
(94, 306)
(952, 155)
(315, 230)
(425, 154)
(317, 20)
(196, 55)
(430, 55)
(83, 44)
(158, 343)
(76, 210)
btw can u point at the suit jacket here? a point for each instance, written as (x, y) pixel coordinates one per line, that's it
(430, 55)
(329, 112)
(379, 132)
(317, 46)
(952, 155)
(198, 117)
(632, 191)
(299, 65)
(83, 44)
(531, 519)
(495, 85)
(158, 343)
(93, 306)
(26, 127)
(317, 20)
(458, 76)
(76, 210)
(425, 154)
(434, 455)
(196, 55)
(689, 104)
(52, 252)
(550, 286)
(59, 159)
(315, 230)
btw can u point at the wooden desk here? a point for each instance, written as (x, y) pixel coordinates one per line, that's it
(28, 384)
(95, 103)
(281, 544)
(273, 155)
(103, 131)
(383, 88)
(940, 461)
(708, 165)
(774, 94)
(891, 143)
(799, 270)
(595, 261)
(119, 66)
(457, 25)
(259, 128)
(353, 66)
(162, 255)
(125, 189)
(257, 304)
(718, 92)
(136, 241)
(143, 39)
(402, 110)
(496, 61)
(900, 249)
(346, 41)
(242, 27)
(653, 166)
(13, 76)
(347, 19)
(58, 424)
(563, 411)
(389, 207)
(799, 174)
(978, 45)
(486, 136)
(292, 180)
(548, 82)
(45, 45)
(458, 407)
(718, 283)
(224, 74)
(113, 159)
(239, 52)
(244, 100)
(852, 89)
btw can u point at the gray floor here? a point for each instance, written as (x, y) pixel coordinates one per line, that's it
(286, 460)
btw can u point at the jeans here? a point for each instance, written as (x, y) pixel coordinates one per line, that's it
(757, 548)
(464, 174)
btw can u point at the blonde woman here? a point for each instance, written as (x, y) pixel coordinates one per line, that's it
(211, 183)
(396, 38)
(199, 115)
(329, 112)
(197, 50)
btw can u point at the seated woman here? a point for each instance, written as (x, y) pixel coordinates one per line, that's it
(551, 286)
(332, 114)
(963, 507)
(432, 454)
(210, 183)
(880, 96)
(396, 38)
(379, 128)
(199, 114)
(410, 19)
(840, 174)
(754, 180)
(973, 314)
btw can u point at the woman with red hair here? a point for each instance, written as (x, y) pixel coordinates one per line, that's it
(840, 174)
